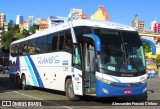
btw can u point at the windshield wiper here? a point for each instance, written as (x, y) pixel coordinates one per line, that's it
(123, 58)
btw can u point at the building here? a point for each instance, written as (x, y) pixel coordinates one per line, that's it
(30, 22)
(54, 20)
(100, 14)
(42, 24)
(141, 26)
(5, 26)
(138, 25)
(157, 28)
(135, 22)
(19, 19)
(153, 24)
(23, 26)
(2, 20)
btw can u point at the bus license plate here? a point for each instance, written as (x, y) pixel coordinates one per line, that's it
(127, 91)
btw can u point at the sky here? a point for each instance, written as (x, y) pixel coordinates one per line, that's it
(121, 11)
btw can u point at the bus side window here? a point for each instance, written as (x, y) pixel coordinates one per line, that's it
(24, 48)
(52, 41)
(61, 40)
(20, 49)
(40, 45)
(12, 50)
(68, 41)
(17, 49)
(31, 47)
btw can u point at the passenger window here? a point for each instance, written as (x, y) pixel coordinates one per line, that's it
(61, 40)
(31, 47)
(17, 49)
(52, 41)
(24, 48)
(12, 50)
(21, 48)
(68, 41)
(40, 45)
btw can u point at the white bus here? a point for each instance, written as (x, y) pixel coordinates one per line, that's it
(82, 57)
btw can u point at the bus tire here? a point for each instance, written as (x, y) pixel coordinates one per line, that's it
(69, 90)
(24, 86)
(18, 81)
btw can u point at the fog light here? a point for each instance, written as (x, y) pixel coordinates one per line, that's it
(105, 91)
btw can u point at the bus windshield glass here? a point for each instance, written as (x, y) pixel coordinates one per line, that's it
(121, 52)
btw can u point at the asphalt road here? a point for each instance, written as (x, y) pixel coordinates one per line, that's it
(55, 99)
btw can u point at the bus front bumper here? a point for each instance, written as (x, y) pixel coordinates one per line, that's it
(107, 90)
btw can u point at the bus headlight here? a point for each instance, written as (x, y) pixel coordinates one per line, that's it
(105, 80)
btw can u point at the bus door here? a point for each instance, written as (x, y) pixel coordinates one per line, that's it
(89, 56)
(77, 69)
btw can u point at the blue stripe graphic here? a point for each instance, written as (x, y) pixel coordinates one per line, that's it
(31, 71)
(36, 72)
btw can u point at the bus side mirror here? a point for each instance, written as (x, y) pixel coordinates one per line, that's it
(96, 39)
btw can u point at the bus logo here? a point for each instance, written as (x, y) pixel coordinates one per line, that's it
(65, 62)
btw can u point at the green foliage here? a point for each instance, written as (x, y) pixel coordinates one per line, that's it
(11, 35)
(10, 24)
(18, 36)
(158, 59)
(25, 33)
(147, 47)
(7, 38)
(33, 29)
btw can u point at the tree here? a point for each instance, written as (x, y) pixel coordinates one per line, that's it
(10, 24)
(15, 29)
(147, 47)
(33, 29)
(17, 36)
(11, 35)
(25, 33)
(8, 40)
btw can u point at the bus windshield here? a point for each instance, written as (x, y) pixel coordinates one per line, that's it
(121, 52)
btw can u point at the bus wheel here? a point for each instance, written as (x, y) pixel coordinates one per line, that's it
(69, 90)
(18, 81)
(24, 86)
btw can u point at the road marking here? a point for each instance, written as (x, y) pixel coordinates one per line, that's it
(42, 99)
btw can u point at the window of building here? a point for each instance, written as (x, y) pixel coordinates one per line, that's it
(40, 45)
(31, 47)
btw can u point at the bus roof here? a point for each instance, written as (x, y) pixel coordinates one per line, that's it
(83, 22)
